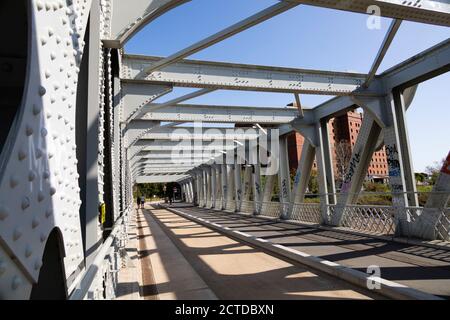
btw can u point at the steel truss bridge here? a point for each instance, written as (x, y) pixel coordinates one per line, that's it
(80, 128)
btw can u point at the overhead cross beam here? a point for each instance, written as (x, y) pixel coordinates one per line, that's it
(222, 114)
(193, 133)
(179, 148)
(232, 76)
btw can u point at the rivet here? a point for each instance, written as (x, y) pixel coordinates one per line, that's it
(35, 223)
(16, 283)
(37, 109)
(48, 213)
(25, 203)
(38, 265)
(42, 91)
(17, 234)
(41, 196)
(14, 181)
(29, 131)
(52, 191)
(39, 5)
(44, 132)
(39, 153)
(22, 155)
(31, 176)
(28, 252)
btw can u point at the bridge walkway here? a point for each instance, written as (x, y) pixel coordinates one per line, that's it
(183, 259)
(416, 266)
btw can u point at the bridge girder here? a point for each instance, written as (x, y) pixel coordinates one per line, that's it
(232, 76)
(219, 113)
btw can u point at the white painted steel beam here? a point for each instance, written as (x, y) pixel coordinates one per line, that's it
(232, 76)
(222, 114)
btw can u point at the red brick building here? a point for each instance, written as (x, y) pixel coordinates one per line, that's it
(343, 128)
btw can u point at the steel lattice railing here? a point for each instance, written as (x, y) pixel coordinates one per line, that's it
(271, 209)
(378, 220)
(306, 212)
(247, 207)
(218, 204)
(441, 225)
(369, 219)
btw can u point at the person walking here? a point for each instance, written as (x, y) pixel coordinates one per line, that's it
(138, 202)
(142, 202)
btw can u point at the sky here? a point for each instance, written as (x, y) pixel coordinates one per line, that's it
(305, 37)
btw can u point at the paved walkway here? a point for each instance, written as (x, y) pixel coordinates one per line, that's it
(420, 267)
(182, 259)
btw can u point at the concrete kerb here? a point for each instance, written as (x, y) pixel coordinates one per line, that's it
(388, 288)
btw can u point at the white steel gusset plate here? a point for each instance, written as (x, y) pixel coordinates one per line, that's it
(39, 181)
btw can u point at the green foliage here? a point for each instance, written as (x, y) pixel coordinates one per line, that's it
(376, 187)
(313, 184)
(421, 177)
(149, 190)
(380, 197)
(424, 194)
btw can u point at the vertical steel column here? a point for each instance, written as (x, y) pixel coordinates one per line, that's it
(395, 156)
(200, 188)
(328, 159)
(408, 169)
(205, 187)
(224, 185)
(248, 172)
(257, 188)
(191, 191)
(322, 173)
(208, 176)
(303, 172)
(231, 203)
(219, 195)
(284, 178)
(238, 185)
(213, 186)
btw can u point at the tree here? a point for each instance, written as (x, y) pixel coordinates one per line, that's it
(434, 170)
(313, 185)
(343, 151)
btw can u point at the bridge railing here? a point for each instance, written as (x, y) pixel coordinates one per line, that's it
(100, 280)
(306, 212)
(370, 219)
(367, 218)
(248, 207)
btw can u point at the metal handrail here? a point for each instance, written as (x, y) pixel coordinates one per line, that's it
(88, 276)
